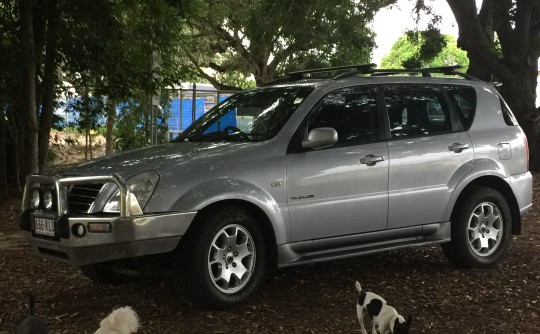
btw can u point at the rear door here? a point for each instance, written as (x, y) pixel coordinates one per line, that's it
(429, 153)
(342, 189)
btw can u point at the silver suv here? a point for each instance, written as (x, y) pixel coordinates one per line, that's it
(301, 170)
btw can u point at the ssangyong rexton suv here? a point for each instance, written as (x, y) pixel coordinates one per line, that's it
(300, 170)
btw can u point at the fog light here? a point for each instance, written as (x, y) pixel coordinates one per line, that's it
(100, 227)
(78, 230)
(35, 199)
(47, 200)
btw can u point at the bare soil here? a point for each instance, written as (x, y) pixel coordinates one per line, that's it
(307, 299)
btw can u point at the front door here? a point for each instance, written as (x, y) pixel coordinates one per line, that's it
(341, 190)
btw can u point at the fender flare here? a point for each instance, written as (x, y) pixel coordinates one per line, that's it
(482, 168)
(205, 194)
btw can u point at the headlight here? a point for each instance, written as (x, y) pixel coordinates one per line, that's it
(141, 186)
(35, 199)
(47, 200)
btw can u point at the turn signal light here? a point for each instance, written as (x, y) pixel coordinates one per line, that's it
(100, 227)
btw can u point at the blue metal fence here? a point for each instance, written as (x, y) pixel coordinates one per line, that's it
(181, 111)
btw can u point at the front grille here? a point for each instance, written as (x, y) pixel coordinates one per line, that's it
(81, 197)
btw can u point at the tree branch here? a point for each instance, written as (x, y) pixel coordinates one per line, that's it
(216, 67)
(212, 80)
(503, 27)
(486, 18)
(235, 42)
(473, 40)
(280, 56)
(522, 31)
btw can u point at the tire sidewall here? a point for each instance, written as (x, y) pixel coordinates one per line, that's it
(460, 233)
(213, 225)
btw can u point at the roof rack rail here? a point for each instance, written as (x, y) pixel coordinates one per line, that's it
(426, 72)
(299, 75)
(369, 69)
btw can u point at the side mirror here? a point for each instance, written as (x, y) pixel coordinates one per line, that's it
(320, 138)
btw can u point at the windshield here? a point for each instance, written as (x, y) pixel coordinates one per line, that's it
(254, 115)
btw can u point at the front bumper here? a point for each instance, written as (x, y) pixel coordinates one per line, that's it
(129, 237)
(128, 234)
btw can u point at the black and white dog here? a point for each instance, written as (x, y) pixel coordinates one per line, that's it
(32, 324)
(384, 317)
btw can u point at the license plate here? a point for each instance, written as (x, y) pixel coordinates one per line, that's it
(44, 226)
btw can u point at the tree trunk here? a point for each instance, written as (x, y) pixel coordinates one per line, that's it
(517, 69)
(86, 135)
(111, 118)
(49, 83)
(91, 144)
(28, 58)
(263, 74)
(3, 161)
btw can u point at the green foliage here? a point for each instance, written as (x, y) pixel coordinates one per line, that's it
(89, 109)
(271, 37)
(433, 42)
(133, 127)
(112, 55)
(236, 79)
(404, 50)
(428, 43)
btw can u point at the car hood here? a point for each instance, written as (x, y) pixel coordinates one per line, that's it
(162, 158)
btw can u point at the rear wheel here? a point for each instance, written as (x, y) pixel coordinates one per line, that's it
(481, 229)
(222, 262)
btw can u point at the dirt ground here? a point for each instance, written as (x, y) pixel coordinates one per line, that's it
(308, 299)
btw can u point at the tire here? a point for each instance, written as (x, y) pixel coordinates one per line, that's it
(481, 229)
(221, 263)
(103, 274)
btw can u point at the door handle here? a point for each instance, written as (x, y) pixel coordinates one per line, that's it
(370, 159)
(457, 147)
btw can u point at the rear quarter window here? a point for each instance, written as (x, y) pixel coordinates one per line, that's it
(464, 100)
(508, 116)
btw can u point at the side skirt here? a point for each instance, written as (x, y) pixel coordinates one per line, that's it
(343, 247)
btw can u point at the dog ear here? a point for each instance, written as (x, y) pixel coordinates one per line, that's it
(409, 321)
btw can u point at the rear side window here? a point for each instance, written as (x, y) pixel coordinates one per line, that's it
(464, 99)
(416, 110)
(352, 112)
(508, 116)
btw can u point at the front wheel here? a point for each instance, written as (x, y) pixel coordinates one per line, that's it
(221, 263)
(481, 229)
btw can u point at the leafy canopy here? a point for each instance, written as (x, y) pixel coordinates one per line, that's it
(404, 49)
(270, 37)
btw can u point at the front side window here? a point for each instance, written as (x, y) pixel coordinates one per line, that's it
(352, 112)
(254, 115)
(416, 110)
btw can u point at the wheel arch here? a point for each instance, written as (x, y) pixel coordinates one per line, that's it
(499, 184)
(261, 216)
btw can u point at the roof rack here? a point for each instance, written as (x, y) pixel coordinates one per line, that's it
(299, 75)
(426, 72)
(369, 69)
